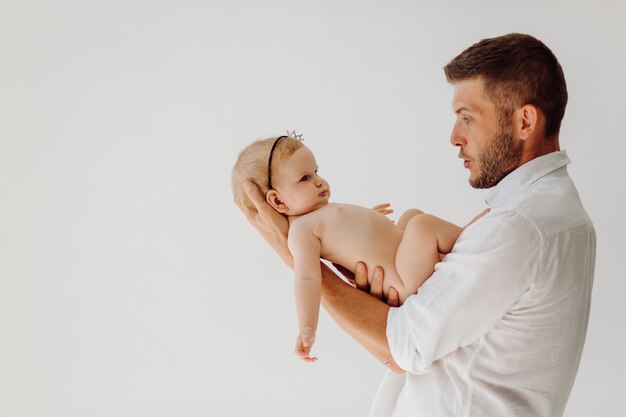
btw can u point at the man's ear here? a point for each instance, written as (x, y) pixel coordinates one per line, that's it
(526, 121)
(273, 199)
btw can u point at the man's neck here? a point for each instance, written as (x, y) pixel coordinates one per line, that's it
(539, 147)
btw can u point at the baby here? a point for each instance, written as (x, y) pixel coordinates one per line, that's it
(286, 172)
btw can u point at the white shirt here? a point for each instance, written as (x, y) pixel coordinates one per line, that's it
(498, 329)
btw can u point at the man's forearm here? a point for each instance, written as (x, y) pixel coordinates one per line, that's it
(362, 316)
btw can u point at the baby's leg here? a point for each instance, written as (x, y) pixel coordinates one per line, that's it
(425, 236)
(406, 216)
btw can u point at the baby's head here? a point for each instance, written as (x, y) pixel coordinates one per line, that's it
(292, 187)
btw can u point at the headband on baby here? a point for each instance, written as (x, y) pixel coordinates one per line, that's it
(292, 135)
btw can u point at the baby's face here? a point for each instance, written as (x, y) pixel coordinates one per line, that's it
(300, 188)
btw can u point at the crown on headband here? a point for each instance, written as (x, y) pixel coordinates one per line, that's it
(293, 135)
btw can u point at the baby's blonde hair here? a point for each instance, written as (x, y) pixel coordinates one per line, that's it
(252, 164)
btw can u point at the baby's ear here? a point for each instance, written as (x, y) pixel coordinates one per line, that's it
(273, 199)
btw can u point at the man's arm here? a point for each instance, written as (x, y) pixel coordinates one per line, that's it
(359, 314)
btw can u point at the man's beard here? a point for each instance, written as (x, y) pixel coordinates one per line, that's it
(499, 157)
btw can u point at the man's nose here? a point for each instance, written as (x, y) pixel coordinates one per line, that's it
(456, 138)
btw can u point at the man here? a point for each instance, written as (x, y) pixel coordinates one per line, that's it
(499, 327)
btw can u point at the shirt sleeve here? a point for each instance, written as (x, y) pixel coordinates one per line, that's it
(493, 263)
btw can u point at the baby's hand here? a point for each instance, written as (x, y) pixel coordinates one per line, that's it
(304, 343)
(384, 208)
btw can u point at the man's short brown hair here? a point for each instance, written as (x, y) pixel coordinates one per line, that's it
(517, 69)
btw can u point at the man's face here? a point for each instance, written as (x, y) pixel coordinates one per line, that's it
(486, 143)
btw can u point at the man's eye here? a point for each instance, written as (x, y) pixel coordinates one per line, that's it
(466, 120)
(305, 178)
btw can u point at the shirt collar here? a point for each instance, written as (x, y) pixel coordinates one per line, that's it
(525, 175)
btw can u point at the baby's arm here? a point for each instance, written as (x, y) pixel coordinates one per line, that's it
(305, 248)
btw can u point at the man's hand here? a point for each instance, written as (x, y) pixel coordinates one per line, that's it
(376, 287)
(363, 317)
(272, 225)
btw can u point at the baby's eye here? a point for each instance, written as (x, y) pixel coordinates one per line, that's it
(304, 178)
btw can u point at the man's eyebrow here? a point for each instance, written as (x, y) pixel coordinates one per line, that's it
(460, 109)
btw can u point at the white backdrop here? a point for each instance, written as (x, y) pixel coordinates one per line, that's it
(130, 285)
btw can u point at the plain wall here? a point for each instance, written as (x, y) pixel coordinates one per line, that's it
(130, 285)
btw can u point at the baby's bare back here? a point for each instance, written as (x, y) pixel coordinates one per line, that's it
(351, 234)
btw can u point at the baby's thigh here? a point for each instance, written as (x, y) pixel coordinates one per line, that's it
(417, 253)
(407, 216)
